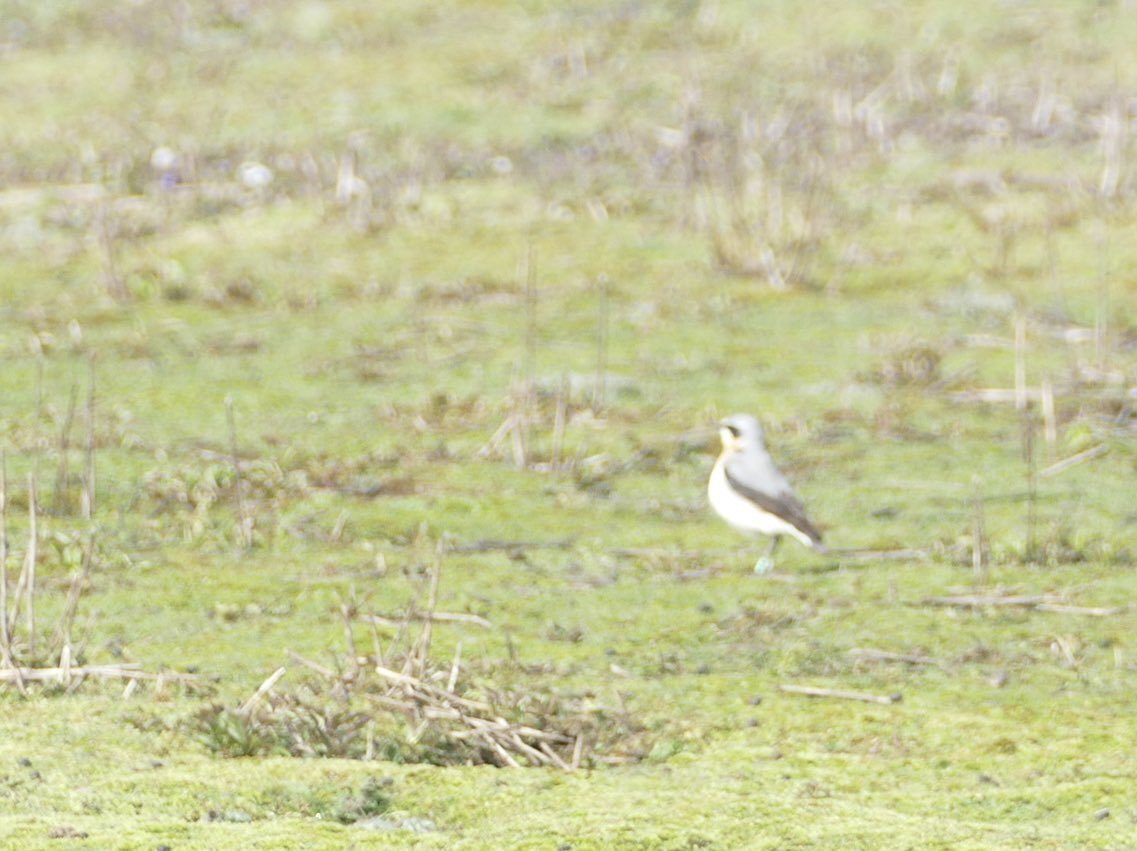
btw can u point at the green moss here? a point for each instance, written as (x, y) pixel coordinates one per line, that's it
(535, 172)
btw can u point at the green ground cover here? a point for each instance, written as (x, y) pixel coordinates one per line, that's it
(631, 219)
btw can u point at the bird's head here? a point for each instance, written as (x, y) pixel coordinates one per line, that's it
(740, 432)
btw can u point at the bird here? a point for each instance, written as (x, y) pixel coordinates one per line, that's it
(750, 493)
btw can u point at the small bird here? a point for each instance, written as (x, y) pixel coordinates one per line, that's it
(750, 493)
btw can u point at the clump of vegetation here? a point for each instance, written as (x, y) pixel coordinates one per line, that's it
(402, 706)
(909, 363)
(50, 653)
(26, 652)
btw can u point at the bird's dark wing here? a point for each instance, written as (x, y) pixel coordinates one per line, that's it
(784, 505)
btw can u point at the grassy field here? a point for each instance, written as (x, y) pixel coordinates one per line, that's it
(307, 305)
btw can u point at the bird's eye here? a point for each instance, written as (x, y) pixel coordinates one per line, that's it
(735, 431)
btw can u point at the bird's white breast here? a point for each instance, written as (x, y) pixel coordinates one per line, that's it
(740, 512)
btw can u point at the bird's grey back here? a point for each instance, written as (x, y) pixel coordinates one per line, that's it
(756, 469)
(754, 474)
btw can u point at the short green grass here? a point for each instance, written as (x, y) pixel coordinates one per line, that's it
(550, 192)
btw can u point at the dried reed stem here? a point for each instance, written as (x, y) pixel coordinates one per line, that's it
(5, 631)
(346, 612)
(58, 673)
(559, 422)
(520, 427)
(1101, 313)
(530, 319)
(1073, 460)
(422, 644)
(64, 448)
(1020, 364)
(377, 642)
(599, 390)
(245, 519)
(1093, 611)
(979, 535)
(249, 705)
(498, 438)
(1038, 602)
(1050, 424)
(5, 624)
(1111, 130)
(30, 564)
(71, 605)
(39, 392)
(874, 555)
(88, 495)
(869, 654)
(1031, 485)
(812, 691)
(976, 601)
(115, 286)
(453, 617)
(322, 670)
(452, 680)
(492, 544)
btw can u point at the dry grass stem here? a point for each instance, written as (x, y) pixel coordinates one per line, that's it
(493, 445)
(559, 423)
(520, 457)
(997, 394)
(71, 604)
(491, 545)
(530, 276)
(875, 555)
(1112, 132)
(868, 654)
(452, 680)
(62, 474)
(599, 389)
(513, 430)
(421, 651)
(322, 670)
(346, 612)
(114, 282)
(979, 535)
(1074, 460)
(88, 495)
(1030, 460)
(1091, 611)
(32, 556)
(392, 622)
(59, 673)
(256, 697)
(1049, 423)
(1038, 602)
(1020, 364)
(245, 519)
(5, 630)
(812, 691)
(978, 601)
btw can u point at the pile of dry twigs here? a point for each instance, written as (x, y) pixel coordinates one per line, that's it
(397, 703)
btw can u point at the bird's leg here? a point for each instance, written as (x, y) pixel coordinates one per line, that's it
(766, 563)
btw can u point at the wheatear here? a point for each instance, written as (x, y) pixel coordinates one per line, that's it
(750, 493)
